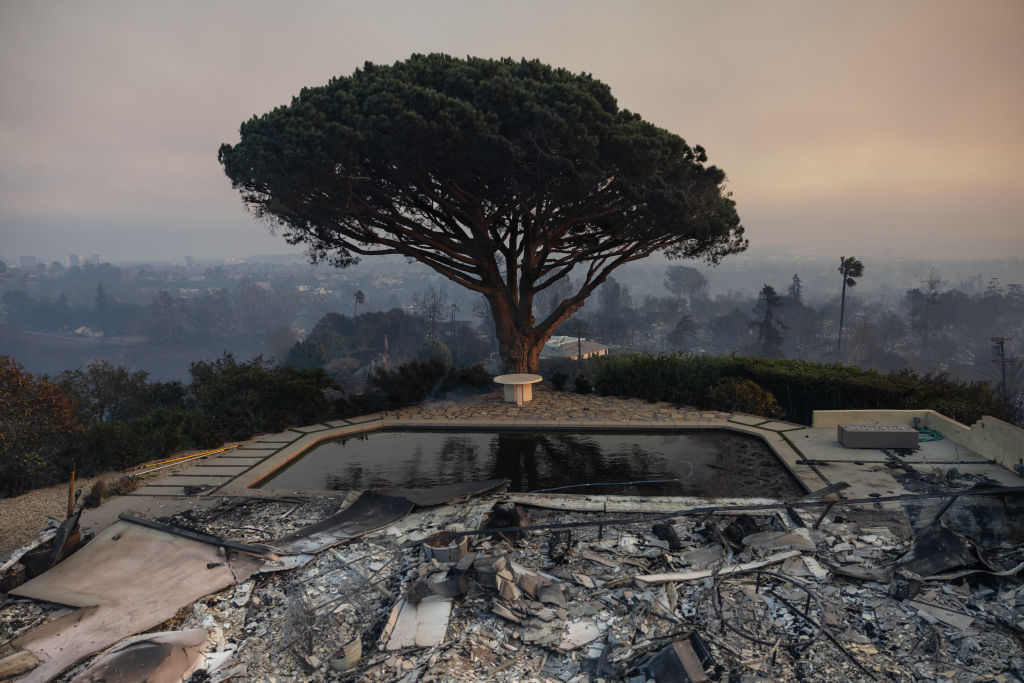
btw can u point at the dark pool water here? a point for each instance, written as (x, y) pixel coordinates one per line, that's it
(712, 463)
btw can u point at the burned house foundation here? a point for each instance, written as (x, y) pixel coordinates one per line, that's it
(898, 564)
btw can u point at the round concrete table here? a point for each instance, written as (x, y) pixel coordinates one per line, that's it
(518, 387)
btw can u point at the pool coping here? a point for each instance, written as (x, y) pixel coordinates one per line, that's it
(225, 474)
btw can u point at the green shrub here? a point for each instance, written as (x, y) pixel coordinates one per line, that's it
(743, 396)
(799, 387)
(159, 432)
(419, 380)
(435, 349)
(200, 430)
(558, 380)
(108, 446)
(583, 385)
(254, 396)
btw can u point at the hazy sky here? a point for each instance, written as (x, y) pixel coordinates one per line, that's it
(890, 127)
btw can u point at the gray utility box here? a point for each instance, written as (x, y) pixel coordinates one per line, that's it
(877, 436)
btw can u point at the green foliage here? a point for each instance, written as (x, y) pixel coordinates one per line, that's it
(339, 336)
(418, 380)
(37, 427)
(307, 354)
(743, 396)
(798, 387)
(131, 421)
(769, 329)
(159, 433)
(435, 349)
(246, 398)
(107, 393)
(442, 160)
(200, 430)
(106, 446)
(559, 379)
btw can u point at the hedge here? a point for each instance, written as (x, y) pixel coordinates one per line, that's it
(798, 387)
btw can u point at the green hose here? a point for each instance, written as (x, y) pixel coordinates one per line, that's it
(926, 435)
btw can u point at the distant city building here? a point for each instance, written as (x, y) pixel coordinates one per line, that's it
(27, 262)
(94, 259)
(262, 285)
(190, 262)
(73, 260)
(571, 348)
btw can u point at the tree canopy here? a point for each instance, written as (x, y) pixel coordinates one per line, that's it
(501, 175)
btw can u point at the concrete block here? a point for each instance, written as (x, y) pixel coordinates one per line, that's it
(877, 436)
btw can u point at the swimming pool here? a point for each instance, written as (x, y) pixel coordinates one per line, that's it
(705, 463)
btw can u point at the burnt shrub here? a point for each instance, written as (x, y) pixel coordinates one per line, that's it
(96, 494)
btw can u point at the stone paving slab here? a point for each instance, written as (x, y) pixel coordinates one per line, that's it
(747, 419)
(161, 491)
(258, 453)
(283, 437)
(780, 426)
(311, 428)
(239, 461)
(182, 480)
(360, 419)
(205, 470)
(338, 423)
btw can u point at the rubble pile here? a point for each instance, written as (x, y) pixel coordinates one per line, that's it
(506, 592)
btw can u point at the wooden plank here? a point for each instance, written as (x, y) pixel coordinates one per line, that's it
(651, 579)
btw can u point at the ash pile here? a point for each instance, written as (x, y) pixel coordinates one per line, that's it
(473, 584)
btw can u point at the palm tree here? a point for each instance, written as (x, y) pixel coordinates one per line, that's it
(851, 269)
(360, 299)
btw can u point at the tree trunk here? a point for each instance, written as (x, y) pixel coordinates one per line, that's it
(519, 343)
(842, 312)
(520, 352)
(519, 340)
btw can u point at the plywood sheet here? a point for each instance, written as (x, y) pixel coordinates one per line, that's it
(129, 579)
